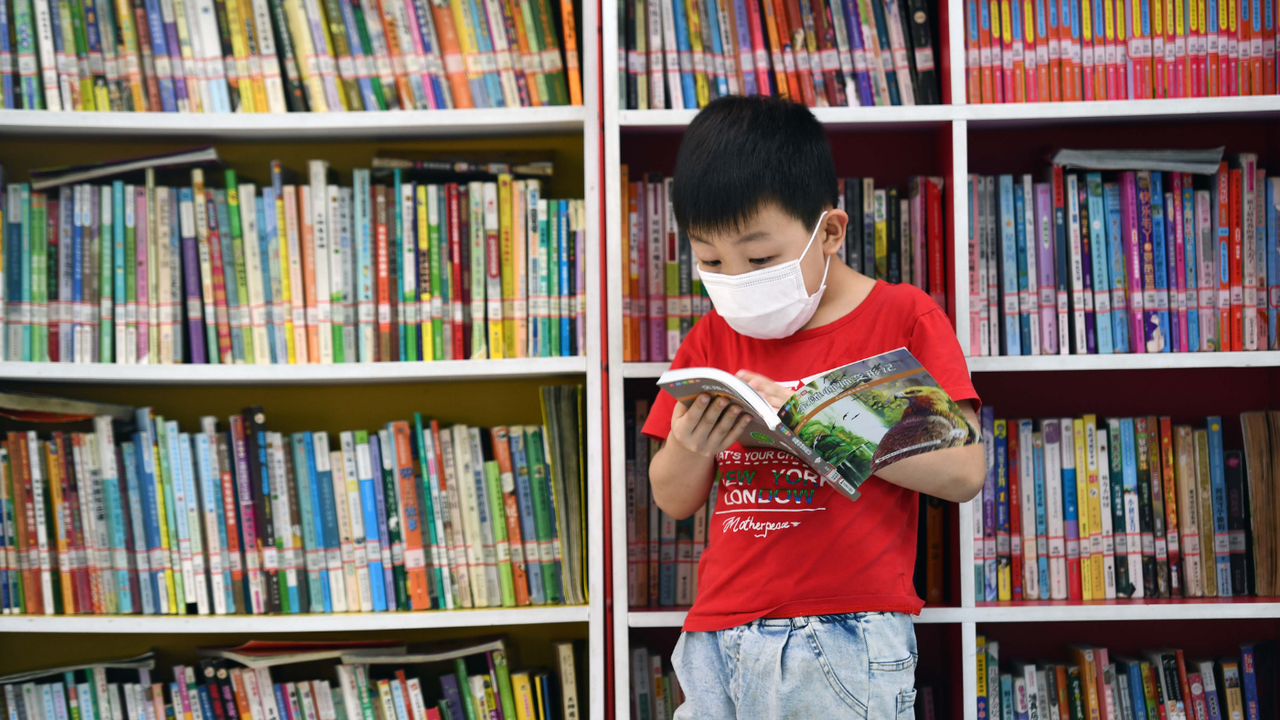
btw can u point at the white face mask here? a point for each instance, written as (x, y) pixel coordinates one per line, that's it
(769, 303)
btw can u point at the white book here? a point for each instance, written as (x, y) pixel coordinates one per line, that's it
(319, 171)
(1051, 431)
(285, 522)
(355, 521)
(1030, 695)
(337, 274)
(347, 686)
(333, 558)
(365, 265)
(479, 338)
(489, 546)
(1133, 528)
(47, 56)
(459, 566)
(469, 504)
(341, 503)
(980, 212)
(211, 495)
(1106, 531)
(266, 689)
(253, 271)
(200, 588)
(349, 288)
(408, 261)
(1031, 301)
(211, 55)
(43, 559)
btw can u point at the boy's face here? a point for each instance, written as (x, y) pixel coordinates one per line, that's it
(769, 238)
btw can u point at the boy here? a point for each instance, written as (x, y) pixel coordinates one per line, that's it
(804, 598)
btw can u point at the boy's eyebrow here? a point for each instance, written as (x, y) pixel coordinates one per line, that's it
(750, 237)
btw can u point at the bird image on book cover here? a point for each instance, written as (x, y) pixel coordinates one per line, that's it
(845, 423)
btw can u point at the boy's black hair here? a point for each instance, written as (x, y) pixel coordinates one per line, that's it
(742, 152)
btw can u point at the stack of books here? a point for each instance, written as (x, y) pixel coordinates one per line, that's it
(1099, 509)
(655, 689)
(372, 680)
(139, 516)
(892, 235)
(287, 55)
(1159, 683)
(222, 271)
(1125, 262)
(1072, 50)
(662, 552)
(844, 53)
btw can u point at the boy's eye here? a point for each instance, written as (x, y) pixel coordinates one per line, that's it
(760, 261)
(709, 263)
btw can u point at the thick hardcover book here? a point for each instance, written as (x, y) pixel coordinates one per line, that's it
(815, 423)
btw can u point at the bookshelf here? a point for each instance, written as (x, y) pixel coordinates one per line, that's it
(333, 396)
(954, 140)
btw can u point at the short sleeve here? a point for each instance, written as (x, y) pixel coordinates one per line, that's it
(933, 342)
(692, 353)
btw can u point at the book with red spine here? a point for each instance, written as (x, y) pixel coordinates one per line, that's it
(1028, 36)
(828, 55)
(788, 56)
(997, 52)
(1055, 51)
(1230, 30)
(1006, 52)
(1015, 514)
(1040, 22)
(760, 58)
(1182, 48)
(933, 228)
(804, 63)
(1236, 260)
(456, 303)
(382, 273)
(1092, 52)
(415, 559)
(1069, 24)
(1157, 8)
(987, 86)
(1222, 213)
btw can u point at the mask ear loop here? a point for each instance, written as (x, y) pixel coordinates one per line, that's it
(827, 267)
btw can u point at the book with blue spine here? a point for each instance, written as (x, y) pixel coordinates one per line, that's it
(1132, 521)
(150, 509)
(70, 225)
(117, 289)
(989, 561)
(565, 313)
(210, 494)
(200, 591)
(1028, 319)
(304, 468)
(718, 50)
(1070, 508)
(364, 265)
(1154, 335)
(528, 527)
(159, 50)
(1009, 268)
(400, 589)
(129, 458)
(171, 478)
(492, 81)
(1249, 682)
(1221, 534)
(1190, 244)
(1161, 230)
(265, 221)
(685, 55)
(1116, 268)
(384, 540)
(369, 512)
(1099, 256)
(1042, 524)
(1272, 210)
(115, 511)
(327, 522)
(1003, 578)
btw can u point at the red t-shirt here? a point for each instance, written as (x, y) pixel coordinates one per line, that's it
(782, 544)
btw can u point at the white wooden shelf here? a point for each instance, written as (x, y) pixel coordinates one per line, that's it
(346, 622)
(1127, 361)
(997, 115)
(644, 369)
(1061, 611)
(644, 618)
(297, 126)
(443, 370)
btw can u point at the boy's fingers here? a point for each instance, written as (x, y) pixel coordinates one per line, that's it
(691, 413)
(735, 433)
(723, 427)
(709, 419)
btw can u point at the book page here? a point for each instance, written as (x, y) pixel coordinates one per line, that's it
(874, 412)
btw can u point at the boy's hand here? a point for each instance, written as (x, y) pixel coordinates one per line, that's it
(775, 394)
(706, 428)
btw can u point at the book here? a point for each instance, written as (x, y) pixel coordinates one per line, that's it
(847, 423)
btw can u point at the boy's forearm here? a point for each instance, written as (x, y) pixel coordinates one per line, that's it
(954, 474)
(680, 480)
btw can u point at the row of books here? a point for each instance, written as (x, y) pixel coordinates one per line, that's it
(1073, 50)
(286, 55)
(1098, 509)
(891, 235)
(1125, 262)
(385, 269)
(414, 516)
(372, 681)
(1161, 683)
(684, 53)
(662, 552)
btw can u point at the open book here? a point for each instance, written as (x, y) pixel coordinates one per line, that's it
(846, 423)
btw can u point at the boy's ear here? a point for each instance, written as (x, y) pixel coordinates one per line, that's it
(831, 233)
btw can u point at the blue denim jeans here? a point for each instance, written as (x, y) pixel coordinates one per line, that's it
(857, 665)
